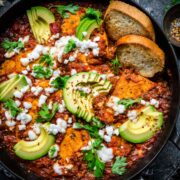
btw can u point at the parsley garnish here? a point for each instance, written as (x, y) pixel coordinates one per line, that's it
(52, 151)
(45, 114)
(93, 14)
(92, 159)
(115, 64)
(70, 46)
(11, 45)
(119, 165)
(64, 9)
(47, 59)
(42, 72)
(129, 102)
(11, 105)
(59, 82)
(96, 122)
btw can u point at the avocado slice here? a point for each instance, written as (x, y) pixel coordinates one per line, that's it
(40, 19)
(17, 83)
(32, 150)
(147, 124)
(82, 105)
(86, 25)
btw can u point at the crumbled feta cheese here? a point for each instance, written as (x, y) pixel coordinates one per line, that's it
(55, 36)
(95, 52)
(61, 108)
(42, 100)
(39, 48)
(53, 51)
(116, 132)
(24, 61)
(10, 123)
(24, 39)
(66, 61)
(96, 39)
(73, 72)
(21, 127)
(28, 68)
(119, 109)
(45, 50)
(70, 120)
(8, 115)
(18, 103)
(109, 130)
(132, 115)
(50, 90)
(25, 72)
(143, 102)
(9, 54)
(53, 129)
(103, 76)
(84, 33)
(50, 105)
(75, 126)
(101, 133)
(107, 138)
(32, 135)
(56, 73)
(53, 151)
(62, 125)
(36, 90)
(24, 117)
(18, 94)
(154, 102)
(27, 105)
(57, 169)
(24, 89)
(71, 58)
(105, 154)
(36, 128)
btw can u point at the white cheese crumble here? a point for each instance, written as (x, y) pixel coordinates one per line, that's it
(27, 105)
(154, 102)
(97, 38)
(132, 115)
(62, 107)
(36, 128)
(42, 100)
(57, 169)
(53, 151)
(36, 90)
(21, 127)
(10, 123)
(9, 54)
(24, 117)
(105, 154)
(32, 135)
(73, 72)
(8, 115)
(18, 103)
(49, 90)
(18, 94)
(25, 72)
(84, 33)
(70, 120)
(24, 89)
(62, 125)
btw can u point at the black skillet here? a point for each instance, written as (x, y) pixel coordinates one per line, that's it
(18, 8)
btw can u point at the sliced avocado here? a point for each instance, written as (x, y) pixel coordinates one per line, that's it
(75, 102)
(32, 150)
(86, 25)
(40, 19)
(146, 125)
(8, 91)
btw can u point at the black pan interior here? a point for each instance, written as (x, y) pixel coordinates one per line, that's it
(173, 77)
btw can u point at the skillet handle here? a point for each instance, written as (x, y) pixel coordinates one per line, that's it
(175, 138)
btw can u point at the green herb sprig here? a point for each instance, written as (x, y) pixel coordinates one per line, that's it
(128, 102)
(119, 167)
(42, 72)
(45, 115)
(116, 65)
(11, 105)
(46, 58)
(70, 46)
(60, 82)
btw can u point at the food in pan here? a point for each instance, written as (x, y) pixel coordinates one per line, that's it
(81, 89)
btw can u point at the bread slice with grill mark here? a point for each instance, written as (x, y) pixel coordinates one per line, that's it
(141, 54)
(123, 19)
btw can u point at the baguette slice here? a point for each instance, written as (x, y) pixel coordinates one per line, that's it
(141, 54)
(123, 19)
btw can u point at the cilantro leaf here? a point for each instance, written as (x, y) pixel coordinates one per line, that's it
(47, 59)
(115, 64)
(119, 165)
(63, 9)
(99, 168)
(45, 114)
(10, 45)
(97, 122)
(129, 102)
(70, 46)
(42, 72)
(93, 14)
(11, 105)
(59, 82)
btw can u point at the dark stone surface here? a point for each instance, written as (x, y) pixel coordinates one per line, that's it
(167, 164)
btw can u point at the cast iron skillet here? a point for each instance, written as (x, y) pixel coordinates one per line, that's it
(18, 8)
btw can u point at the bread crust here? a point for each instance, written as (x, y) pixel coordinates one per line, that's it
(145, 42)
(134, 13)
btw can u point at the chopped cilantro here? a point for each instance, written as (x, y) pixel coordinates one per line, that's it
(115, 64)
(97, 122)
(45, 114)
(64, 9)
(47, 59)
(42, 72)
(93, 14)
(10, 45)
(52, 151)
(129, 102)
(11, 105)
(70, 46)
(119, 165)
(59, 82)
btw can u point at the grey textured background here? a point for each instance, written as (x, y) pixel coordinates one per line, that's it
(167, 164)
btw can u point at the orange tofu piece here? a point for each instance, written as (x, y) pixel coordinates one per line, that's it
(73, 141)
(131, 85)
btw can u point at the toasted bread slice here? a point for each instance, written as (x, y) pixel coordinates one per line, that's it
(122, 19)
(141, 54)
(131, 85)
